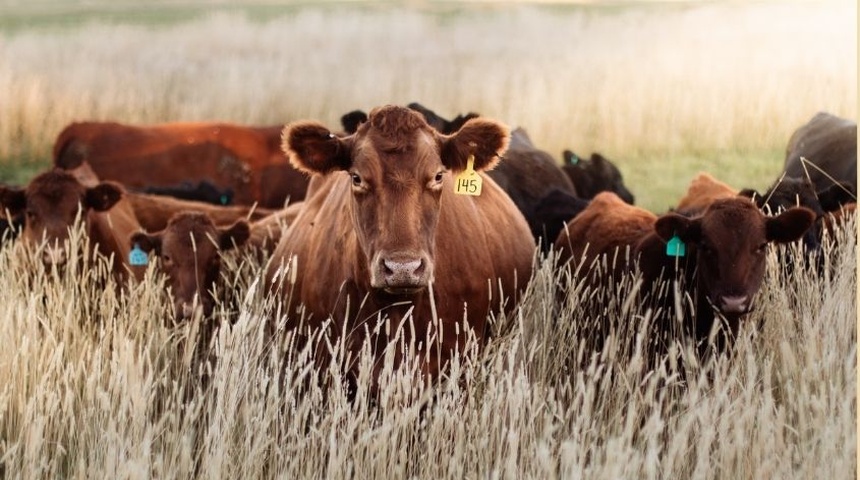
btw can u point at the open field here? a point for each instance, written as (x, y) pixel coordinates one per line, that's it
(97, 384)
(665, 90)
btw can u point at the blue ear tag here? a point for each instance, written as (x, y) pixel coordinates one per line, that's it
(223, 199)
(137, 257)
(675, 247)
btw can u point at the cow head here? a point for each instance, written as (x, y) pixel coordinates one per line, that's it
(397, 167)
(731, 240)
(189, 250)
(596, 175)
(51, 203)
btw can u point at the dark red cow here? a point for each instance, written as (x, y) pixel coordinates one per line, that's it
(245, 159)
(724, 261)
(384, 225)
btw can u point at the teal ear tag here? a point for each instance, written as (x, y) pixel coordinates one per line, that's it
(574, 159)
(223, 199)
(137, 257)
(675, 247)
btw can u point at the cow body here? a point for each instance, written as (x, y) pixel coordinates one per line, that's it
(383, 232)
(829, 144)
(528, 174)
(247, 160)
(703, 191)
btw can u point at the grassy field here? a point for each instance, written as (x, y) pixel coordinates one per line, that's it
(97, 384)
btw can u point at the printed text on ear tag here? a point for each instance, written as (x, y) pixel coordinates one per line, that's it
(675, 247)
(137, 257)
(468, 182)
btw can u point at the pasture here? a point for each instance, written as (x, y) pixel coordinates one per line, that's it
(97, 383)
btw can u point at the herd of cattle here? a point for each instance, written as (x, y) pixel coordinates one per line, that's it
(371, 219)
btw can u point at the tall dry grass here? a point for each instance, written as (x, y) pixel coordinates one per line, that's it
(97, 384)
(666, 90)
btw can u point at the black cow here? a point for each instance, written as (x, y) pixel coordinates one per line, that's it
(596, 175)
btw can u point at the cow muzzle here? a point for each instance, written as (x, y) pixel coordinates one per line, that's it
(54, 255)
(735, 304)
(401, 274)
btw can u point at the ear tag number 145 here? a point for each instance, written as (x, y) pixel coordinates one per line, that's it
(468, 182)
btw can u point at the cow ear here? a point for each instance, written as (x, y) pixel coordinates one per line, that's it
(833, 197)
(13, 199)
(312, 148)
(753, 195)
(146, 242)
(235, 235)
(103, 196)
(671, 224)
(789, 225)
(351, 121)
(485, 139)
(570, 158)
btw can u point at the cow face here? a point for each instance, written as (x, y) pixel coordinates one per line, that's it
(51, 203)
(731, 239)
(189, 252)
(397, 167)
(596, 175)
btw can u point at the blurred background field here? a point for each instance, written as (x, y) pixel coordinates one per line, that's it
(663, 89)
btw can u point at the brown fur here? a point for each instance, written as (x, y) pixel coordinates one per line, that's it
(605, 226)
(246, 159)
(50, 204)
(266, 233)
(703, 191)
(395, 203)
(189, 252)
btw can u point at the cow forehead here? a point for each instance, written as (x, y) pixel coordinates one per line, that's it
(51, 190)
(734, 221)
(404, 154)
(190, 233)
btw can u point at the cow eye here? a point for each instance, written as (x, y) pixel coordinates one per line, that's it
(761, 248)
(356, 179)
(438, 177)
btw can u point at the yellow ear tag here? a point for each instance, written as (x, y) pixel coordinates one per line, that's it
(468, 182)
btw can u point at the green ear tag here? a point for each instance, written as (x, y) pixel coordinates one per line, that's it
(137, 257)
(223, 199)
(574, 159)
(675, 247)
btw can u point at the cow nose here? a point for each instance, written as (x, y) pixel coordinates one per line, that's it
(186, 310)
(734, 304)
(54, 255)
(403, 272)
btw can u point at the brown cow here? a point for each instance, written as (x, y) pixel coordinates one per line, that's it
(50, 204)
(704, 190)
(246, 159)
(189, 253)
(608, 224)
(155, 211)
(724, 259)
(385, 233)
